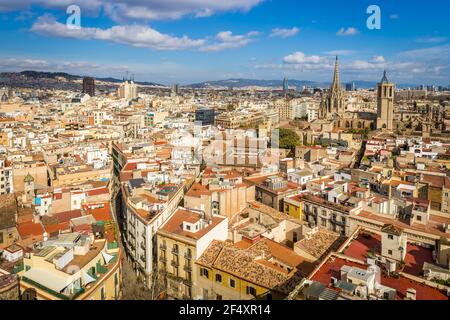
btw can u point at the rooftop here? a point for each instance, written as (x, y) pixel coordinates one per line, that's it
(263, 263)
(175, 224)
(320, 243)
(331, 268)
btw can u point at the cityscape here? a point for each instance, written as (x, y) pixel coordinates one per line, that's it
(149, 153)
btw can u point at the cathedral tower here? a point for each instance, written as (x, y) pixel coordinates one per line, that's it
(334, 101)
(385, 104)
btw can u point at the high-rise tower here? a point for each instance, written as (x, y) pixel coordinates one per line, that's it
(385, 104)
(89, 86)
(285, 85)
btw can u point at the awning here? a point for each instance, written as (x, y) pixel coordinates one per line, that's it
(51, 280)
(107, 257)
(87, 278)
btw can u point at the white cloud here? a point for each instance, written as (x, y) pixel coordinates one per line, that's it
(432, 53)
(284, 33)
(226, 40)
(378, 59)
(347, 32)
(124, 10)
(140, 36)
(430, 39)
(412, 67)
(300, 58)
(23, 64)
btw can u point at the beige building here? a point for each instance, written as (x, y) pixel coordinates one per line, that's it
(393, 243)
(272, 190)
(37, 169)
(222, 193)
(127, 90)
(385, 96)
(64, 176)
(238, 271)
(285, 109)
(181, 241)
(72, 267)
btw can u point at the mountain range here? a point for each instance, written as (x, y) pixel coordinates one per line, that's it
(6, 77)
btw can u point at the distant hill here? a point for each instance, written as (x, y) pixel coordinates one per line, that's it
(242, 83)
(35, 75)
(17, 77)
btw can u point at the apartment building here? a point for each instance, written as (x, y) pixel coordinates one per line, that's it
(220, 192)
(437, 191)
(249, 270)
(143, 209)
(272, 190)
(6, 177)
(181, 241)
(71, 266)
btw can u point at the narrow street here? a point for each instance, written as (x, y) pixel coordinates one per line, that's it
(360, 155)
(132, 289)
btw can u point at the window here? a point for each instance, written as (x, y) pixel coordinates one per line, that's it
(188, 227)
(390, 237)
(390, 252)
(1, 237)
(419, 218)
(204, 272)
(218, 278)
(232, 283)
(218, 297)
(251, 291)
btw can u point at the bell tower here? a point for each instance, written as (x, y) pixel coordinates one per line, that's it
(385, 104)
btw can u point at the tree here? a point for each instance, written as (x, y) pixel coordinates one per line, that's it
(289, 139)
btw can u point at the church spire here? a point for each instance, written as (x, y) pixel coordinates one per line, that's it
(336, 85)
(384, 79)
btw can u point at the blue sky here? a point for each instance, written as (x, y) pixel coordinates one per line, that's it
(187, 41)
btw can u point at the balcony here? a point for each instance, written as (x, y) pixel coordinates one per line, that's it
(335, 221)
(162, 246)
(187, 268)
(187, 282)
(175, 252)
(175, 264)
(188, 256)
(162, 259)
(324, 215)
